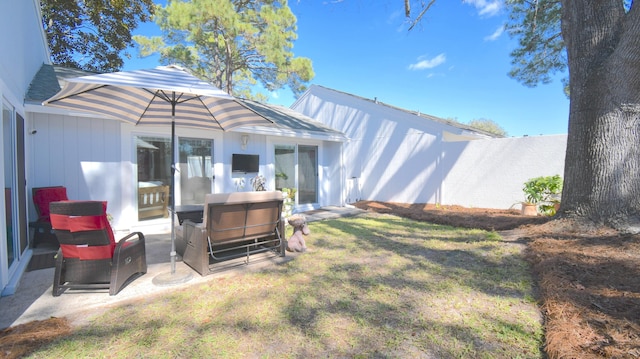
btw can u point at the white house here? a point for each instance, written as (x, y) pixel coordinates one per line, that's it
(105, 159)
(396, 155)
(102, 158)
(23, 50)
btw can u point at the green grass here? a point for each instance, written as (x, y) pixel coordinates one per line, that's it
(377, 286)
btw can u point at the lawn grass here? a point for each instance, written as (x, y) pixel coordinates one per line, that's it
(372, 286)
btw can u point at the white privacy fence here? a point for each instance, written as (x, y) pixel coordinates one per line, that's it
(491, 173)
(484, 173)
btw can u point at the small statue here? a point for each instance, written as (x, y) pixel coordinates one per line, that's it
(300, 229)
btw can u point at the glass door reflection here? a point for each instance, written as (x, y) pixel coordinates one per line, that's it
(196, 169)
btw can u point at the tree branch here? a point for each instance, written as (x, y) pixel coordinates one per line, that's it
(421, 13)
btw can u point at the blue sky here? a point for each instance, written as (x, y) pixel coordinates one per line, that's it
(453, 64)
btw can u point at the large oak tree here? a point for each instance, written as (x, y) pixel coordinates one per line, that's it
(234, 44)
(599, 42)
(92, 34)
(602, 166)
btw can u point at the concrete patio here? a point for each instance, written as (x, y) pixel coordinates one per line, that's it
(33, 299)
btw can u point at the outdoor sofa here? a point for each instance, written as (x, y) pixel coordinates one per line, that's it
(233, 225)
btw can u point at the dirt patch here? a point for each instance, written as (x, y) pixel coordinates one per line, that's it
(588, 277)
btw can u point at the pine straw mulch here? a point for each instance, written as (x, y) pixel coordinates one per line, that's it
(588, 277)
(588, 281)
(19, 341)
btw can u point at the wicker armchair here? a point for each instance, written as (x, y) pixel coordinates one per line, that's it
(42, 196)
(89, 257)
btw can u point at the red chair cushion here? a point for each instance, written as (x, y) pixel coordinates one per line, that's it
(76, 224)
(86, 253)
(79, 223)
(43, 196)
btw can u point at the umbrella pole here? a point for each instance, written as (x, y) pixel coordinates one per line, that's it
(173, 191)
(173, 277)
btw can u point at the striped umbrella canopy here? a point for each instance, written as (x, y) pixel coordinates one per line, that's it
(165, 95)
(153, 96)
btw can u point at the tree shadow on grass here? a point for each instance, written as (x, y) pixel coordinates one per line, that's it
(406, 268)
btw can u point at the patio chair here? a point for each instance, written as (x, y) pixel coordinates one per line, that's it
(89, 257)
(42, 196)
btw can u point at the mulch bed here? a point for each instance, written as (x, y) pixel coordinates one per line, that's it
(19, 341)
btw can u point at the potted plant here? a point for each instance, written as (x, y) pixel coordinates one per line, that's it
(542, 194)
(259, 183)
(289, 195)
(281, 179)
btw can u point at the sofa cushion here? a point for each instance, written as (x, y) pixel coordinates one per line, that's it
(240, 197)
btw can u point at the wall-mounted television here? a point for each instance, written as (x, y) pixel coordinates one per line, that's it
(245, 163)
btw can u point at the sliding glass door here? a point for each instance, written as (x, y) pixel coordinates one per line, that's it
(307, 174)
(196, 169)
(11, 251)
(14, 186)
(153, 155)
(194, 166)
(296, 167)
(285, 164)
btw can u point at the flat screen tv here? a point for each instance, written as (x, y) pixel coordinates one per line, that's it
(245, 163)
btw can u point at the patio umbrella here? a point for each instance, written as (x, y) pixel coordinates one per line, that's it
(153, 97)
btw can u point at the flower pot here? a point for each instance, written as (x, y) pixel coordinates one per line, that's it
(529, 209)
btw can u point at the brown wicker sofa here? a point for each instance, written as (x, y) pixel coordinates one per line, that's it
(234, 225)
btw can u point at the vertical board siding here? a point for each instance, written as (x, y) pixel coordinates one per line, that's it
(73, 151)
(65, 148)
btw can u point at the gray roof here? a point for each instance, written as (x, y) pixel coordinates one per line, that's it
(287, 118)
(50, 79)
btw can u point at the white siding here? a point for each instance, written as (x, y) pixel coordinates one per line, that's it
(80, 153)
(332, 170)
(396, 156)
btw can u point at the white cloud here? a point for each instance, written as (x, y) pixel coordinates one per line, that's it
(496, 34)
(423, 64)
(394, 16)
(486, 7)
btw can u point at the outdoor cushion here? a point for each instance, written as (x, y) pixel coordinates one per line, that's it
(101, 243)
(45, 195)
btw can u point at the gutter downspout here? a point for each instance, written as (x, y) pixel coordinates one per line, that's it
(439, 160)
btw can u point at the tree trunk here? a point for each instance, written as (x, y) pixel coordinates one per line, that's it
(602, 165)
